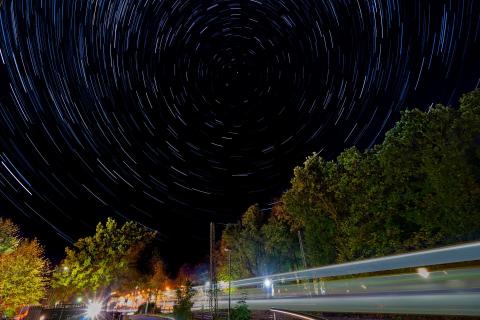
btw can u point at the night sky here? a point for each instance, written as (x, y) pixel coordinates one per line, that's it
(178, 113)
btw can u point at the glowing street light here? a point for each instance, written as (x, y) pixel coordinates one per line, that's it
(93, 310)
(267, 283)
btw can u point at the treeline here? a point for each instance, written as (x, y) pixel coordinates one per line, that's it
(420, 188)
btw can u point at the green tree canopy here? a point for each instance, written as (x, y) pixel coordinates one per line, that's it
(108, 260)
(245, 242)
(260, 243)
(241, 311)
(417, 189)
(311, 202)
(9, 236)
(23, 271)
(281, 241)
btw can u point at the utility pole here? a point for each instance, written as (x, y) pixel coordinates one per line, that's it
(300, 241)
(210, 301)
(229, 280)
(213, 302)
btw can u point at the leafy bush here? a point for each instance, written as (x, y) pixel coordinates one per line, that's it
(182, 310)
(241, 311)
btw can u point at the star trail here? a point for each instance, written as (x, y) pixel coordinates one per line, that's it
(175, 113)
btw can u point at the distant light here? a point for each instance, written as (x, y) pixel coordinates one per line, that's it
(423, 272)
(94, 309)
(79, 299)
(65, 269)
(267, 283)
(42, 317)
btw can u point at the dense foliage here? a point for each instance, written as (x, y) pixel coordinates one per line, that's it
(182, 309)
(9, 236)
(115, 258)
(258, 245)
(418, 189)
(23, 269)
(241, 311)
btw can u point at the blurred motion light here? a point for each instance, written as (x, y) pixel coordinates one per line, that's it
(94, 309)
(423, 272)
(267, 283)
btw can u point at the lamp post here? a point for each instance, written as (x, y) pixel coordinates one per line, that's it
(213, 279)
(229, 280)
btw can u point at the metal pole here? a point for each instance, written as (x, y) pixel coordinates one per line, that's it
(214, 273)
(210, 301)
(229, 281)
(213, 302)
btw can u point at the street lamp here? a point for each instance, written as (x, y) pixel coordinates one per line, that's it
(229, 279)
(94, 309)
(269, 285)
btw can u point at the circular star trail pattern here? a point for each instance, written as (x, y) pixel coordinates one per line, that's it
(175, 113)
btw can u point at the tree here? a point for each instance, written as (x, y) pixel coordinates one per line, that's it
(430, 162)
(246, 244)
(182, 310)
(419, 188)
(158, 278)
(108, 260)
(281, 241)
(370, 226)
(9, 236)
(261, 243)
(184, 274)
(23, 271)
(311, 203)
